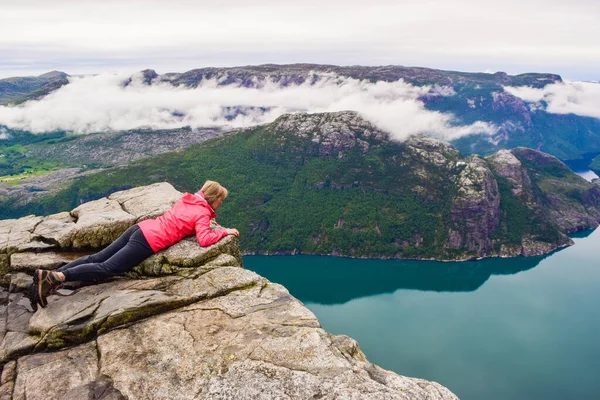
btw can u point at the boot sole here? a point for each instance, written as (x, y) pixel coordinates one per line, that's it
(33, 298)
(36, 285)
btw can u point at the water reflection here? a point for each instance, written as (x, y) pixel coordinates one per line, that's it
(333, 280)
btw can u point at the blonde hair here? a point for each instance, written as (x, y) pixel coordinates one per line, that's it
(213, 191)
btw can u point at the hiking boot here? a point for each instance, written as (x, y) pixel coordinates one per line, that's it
(55, 288)
(43, 281)
(33, 297)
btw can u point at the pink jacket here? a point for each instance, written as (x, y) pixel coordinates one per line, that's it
(191, 214)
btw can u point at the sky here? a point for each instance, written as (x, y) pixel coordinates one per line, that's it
(90, 37)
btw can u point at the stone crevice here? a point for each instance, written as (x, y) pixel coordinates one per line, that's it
(35, 226)
(185, 328)
(212, 309)
(263, 287)
(282, 366)
(98, 358)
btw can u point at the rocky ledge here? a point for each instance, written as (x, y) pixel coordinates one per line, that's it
(188, 323)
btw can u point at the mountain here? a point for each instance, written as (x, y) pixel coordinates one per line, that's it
(333, 183)
(469, 97)
(33, 165)
(595, 165)
(20, 89)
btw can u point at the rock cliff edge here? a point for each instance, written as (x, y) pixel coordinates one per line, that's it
(188, 323)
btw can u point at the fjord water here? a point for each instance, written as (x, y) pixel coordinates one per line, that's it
(520, 328)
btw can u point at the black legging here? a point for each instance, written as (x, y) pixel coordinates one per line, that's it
(130, 249)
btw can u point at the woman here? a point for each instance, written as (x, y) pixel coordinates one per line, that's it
(190, 215)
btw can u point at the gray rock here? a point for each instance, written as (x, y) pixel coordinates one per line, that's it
(57, 375)
(8, 372)
(4, 267)
(508, 166)
(16, 344)
(29, 262)
(18, 313)
(475, 210)
(16, 235)
(56, 228)
(96, 309)
(99, 223)
(331, 133)
(188, 254)
(239, 337)
(434, 151)
(20, 282)
(146, 202)
(5, 226)
(6, 391)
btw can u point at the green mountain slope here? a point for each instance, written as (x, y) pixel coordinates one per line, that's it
(334, 184)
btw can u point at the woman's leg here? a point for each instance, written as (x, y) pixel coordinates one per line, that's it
(135, 250)
(105, 253)
(130, 250)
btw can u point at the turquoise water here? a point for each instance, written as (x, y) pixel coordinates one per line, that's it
(521, 328)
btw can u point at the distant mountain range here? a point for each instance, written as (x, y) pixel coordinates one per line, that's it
(20, 89)
(470, 97)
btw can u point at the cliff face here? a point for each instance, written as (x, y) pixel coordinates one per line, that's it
(475, 211)
(188, 323)
(514, 202)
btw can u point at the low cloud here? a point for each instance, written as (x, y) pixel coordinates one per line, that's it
(101, 103)
(580, 98)
(3, 133)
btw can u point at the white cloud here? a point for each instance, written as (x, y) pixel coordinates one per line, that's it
(580, 98)
(101, 103)
(3, 133)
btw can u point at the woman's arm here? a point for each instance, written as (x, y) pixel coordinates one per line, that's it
(205, 236)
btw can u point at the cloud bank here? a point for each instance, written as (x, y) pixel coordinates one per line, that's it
(580, 98)
(101, 103)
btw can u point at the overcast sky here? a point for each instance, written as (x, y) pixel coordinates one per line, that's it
(82, 37)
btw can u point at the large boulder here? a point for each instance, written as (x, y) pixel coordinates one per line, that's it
(187, 254)
(146, 202)
(226, 333)
(99, 223)
(16, 235)
(56, 228)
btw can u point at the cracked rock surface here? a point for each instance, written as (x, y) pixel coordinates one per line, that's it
(188, 323)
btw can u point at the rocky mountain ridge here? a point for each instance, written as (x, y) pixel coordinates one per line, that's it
(468, 97)
(482, 189)
(20, 89)
(188, 323)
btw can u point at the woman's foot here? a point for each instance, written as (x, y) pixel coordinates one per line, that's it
(43, 282)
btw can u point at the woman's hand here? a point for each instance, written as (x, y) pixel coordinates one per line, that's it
(231, 231)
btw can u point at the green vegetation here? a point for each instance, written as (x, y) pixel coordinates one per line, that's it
(287, 196)
(14, 162)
